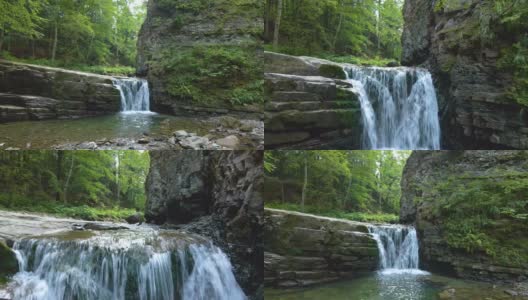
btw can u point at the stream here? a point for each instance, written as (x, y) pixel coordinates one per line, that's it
(398, 277)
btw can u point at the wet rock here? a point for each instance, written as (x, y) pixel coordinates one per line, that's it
(181, 134)
(447, 294)
(230, 142)
(8, 261)
(217, 194)
(143, 141)
(194, 142)
(136, 218)
(103, 226)
(476, 111)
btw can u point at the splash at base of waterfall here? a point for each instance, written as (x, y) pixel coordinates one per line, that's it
(398, 249)
(135, 95)
(398, 106)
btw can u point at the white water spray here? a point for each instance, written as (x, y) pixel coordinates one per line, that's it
(135, 95)
(112, 268)
(399, 108)
(398, 249)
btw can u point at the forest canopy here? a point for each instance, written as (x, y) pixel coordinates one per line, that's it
(71, 32)
(335, 182)
(61, 181)
(366, 28)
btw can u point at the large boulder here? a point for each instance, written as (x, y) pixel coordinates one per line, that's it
(202, 57)
(29, 92)
(217, 194)
(303, 249)
(469, 211)
(451, 38)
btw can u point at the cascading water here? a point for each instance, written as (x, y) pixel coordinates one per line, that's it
(111, 267)
(399, 108)
(398, 248)
(135, 96)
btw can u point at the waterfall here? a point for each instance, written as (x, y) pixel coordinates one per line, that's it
(399, 108)
(398, 248)
(111, 268)
(135, 96)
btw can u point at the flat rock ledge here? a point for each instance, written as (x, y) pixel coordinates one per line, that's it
(303, 249)
(307, 109)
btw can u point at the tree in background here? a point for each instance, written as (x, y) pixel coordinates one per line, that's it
(348, 181)
(341, 27)
(73, 31)
(108, 179)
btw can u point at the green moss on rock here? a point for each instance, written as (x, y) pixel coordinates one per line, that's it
(8, 262)
(332, 71)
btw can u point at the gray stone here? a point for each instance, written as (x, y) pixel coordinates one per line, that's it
(231, 142)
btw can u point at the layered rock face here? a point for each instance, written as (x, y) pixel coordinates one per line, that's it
(183, 47)
(217, 194)
(450, 41)
(29, 92)
(467, 208)
(303, 250)
(307, 106)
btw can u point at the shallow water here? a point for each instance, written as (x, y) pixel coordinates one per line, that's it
(392, 286)
(46, 134)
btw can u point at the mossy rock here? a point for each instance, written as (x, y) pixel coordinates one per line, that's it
(8, 262)
(332, 71)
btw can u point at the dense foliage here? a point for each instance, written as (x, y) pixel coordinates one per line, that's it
(483, 212)
(80, 184)
(338, 182)
(368, 28)
(71, 32)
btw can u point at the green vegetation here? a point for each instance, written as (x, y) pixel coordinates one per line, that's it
(355, 30)
(102, 185)
(72, 34)
(214, 75)
(484, 213)
(354, 185)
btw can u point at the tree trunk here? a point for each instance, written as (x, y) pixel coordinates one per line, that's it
(68, 180)
(282, 191)
(58, 174)
(2, 33)
(338, 30)
(277, 25)
(378, 26)
(55, 38)
(305, 182)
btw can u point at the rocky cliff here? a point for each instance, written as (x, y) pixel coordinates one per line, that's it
(29, 92)
(303, 249)
(462, 43)
(216, 194)
(309, 105)
(202, 56)
(469, 208)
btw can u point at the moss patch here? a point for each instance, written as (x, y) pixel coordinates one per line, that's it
(332, 71)
(8, 262)
(212, 75)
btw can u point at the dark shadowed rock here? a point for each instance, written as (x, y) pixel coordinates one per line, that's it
(476, 112)
(216, 194)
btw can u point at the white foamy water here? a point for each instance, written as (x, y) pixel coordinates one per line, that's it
(135, 95)
(399, 108)
(398, 249)
(111, 267)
